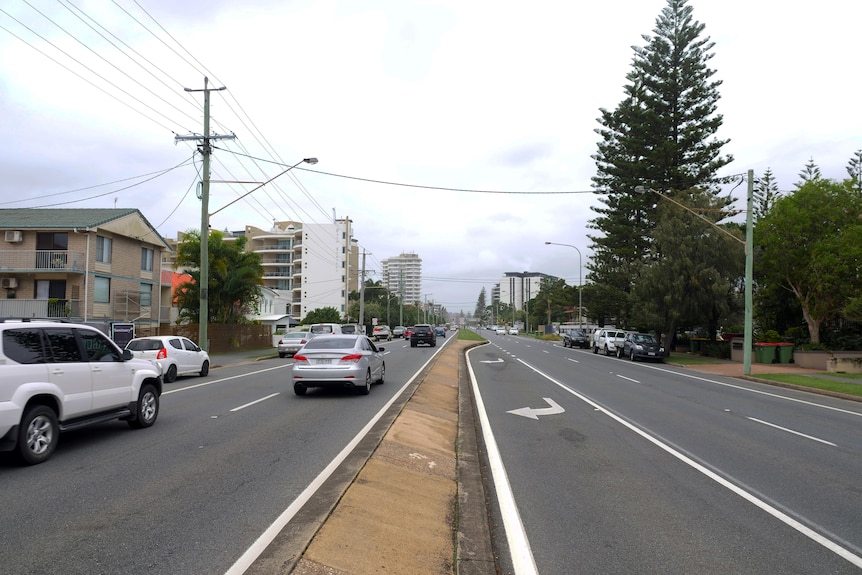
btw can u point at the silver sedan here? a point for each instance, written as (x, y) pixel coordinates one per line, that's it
(338, 361)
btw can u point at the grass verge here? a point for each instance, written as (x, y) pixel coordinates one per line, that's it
(819, 381)
(469, 335)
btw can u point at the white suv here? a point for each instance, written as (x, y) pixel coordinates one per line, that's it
(60, 376)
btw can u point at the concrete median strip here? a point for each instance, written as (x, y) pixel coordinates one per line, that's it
(400, 514)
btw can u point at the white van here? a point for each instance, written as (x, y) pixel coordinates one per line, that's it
(324, 328)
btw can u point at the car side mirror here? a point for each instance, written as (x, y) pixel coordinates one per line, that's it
(127, 355)
(381, 348)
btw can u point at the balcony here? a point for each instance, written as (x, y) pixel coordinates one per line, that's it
(21, 261)
(33, 308)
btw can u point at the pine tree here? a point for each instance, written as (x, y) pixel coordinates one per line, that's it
(661, 136)
(854, 169)
(765, 194)
(810, 173)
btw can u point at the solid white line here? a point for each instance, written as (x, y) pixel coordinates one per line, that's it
(519, 546)
(811, 437)
(758, 391)
(255, 401)
(726, 483)
(259, 546)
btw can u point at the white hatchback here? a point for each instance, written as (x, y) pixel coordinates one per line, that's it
(175, 355)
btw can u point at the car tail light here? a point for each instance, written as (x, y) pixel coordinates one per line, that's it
(281, 342)
(300, 359)
(163, 354)
(352, 358)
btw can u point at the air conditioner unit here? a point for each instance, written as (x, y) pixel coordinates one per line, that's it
(9, 282)
(13, 236)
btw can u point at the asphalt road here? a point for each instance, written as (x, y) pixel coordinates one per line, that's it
(229, 454)
(645, 468)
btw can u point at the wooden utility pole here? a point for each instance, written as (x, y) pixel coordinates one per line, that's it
(206, 150)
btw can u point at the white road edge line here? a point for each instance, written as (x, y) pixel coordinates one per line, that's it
(800, 434)
(259, 546)
(516, 536)
(763, 505)
(270, 396)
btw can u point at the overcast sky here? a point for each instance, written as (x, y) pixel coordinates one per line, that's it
(493, 96)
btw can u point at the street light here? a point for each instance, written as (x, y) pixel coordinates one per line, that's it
(749, 261)
(580, 280)
(203, 311)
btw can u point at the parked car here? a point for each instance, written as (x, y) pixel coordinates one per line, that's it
(352, 328)
(398, 331)
(61, 376)
(500, 330)
(576, 337)
(641, 346)
(607, 340)
(322, 328)
(423, 333)
(381, 332)
(173, 354)
(440, 330)
(513, 331)
(292, 341)
(338, 361)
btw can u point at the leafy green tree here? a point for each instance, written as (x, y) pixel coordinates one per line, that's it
(322, 315)
(234, 279)
(810, 243)
(662, 136)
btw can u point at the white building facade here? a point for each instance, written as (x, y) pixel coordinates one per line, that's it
(402, 275)
(516, 288)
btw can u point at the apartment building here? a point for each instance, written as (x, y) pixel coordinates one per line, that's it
(402, 274)
(83, 264)
(516, 288)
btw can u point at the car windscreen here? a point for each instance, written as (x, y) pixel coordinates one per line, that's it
(331, 343)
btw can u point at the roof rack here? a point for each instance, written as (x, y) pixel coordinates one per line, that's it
(29, 319)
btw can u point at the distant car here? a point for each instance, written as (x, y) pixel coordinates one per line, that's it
(441, 331)
(408, 331)
(338, 361)
(398, 331)
(292, 341)
(351, 328)
(423, 333)
(174, 355)
(501, 331)
(381, 332)
(513, 331)
(641, 346)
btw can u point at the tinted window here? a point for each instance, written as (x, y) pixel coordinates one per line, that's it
(64, 345)
(99, 347)
(175, 343)
(331, 343)
(348, 329)
(144, 345)
(24, 345)
(321, 329)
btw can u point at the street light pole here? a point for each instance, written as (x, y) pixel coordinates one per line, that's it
(580, 280)
(748, 243)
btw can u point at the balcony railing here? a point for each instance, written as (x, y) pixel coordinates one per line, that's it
(58, 308)
(12, 261)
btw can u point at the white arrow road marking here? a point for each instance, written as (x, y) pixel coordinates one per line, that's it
(498, 360)
(535, 413)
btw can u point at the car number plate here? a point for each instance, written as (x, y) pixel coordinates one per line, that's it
(652, 353)
(323, 362)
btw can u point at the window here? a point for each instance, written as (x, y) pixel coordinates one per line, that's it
(146, 294)
(102, 290)
(98, 346)
(146, 259)
(24, 345)
(64, 346)
(103, 249)
(52, 241)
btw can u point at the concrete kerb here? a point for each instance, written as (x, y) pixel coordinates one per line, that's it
(417, 500)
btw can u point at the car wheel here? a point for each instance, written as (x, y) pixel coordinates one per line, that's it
(146, 408)
(382, 374)
(632, 355)
(595, 349)
(282, 355)
(412, 344)
(299, 389)
(205, 368)
(171, 374)
(366, 389)
(38, 434)
(619, 353)
(607, 353)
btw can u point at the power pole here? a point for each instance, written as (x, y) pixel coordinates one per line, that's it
(362, 293)
(206, 150)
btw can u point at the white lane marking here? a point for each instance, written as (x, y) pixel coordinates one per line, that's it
(270, 396)
(800, 434)
(726, 483)
(259, 546)
(533, 413)
(206, 383)
(627, 378)
(519, 546)
(545, 351)
(572, 360)
(758, 391)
